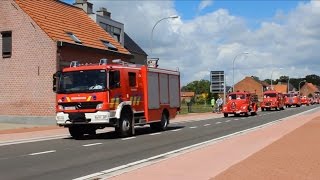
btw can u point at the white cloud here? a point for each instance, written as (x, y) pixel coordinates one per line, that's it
(211, 41)
(204, 4)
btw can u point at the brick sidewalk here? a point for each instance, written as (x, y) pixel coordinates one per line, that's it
(296, 156)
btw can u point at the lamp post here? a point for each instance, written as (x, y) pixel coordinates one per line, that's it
(299, 85)
(151, 38)
(233, 68)
(271, 76)
(288, 84)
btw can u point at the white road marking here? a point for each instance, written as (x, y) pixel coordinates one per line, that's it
(227, 120)
(242, 118)
(193, 127)
(44, 152)
(86, 145)
(89, 176)
(218, 122)
(236, 119)
(207, 125)
(260, 115)
(152, 160)
(20, 141)
(154, 134)
(176, 130)
(128, 138)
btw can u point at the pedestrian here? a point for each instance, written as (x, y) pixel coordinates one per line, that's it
(213, 104)
(219, 104)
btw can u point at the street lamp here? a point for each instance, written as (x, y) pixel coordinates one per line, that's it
(233, 68)
(271, 76)
(288, 83)
(169, 17)
(299, 85)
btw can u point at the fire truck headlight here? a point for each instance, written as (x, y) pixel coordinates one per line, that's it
(244, 107)
(60, 118)
(99, 106)
(60, 107)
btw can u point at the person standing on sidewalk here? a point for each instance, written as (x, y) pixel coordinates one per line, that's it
(213, 104)
(219, 104)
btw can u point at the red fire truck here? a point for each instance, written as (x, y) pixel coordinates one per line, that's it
(117, 94)
(240, 103)
(272, 99)
(305, 101)
(292, 99)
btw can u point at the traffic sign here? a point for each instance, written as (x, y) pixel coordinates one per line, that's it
(217, 82)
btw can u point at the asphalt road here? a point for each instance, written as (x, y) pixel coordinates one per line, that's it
(69, 158)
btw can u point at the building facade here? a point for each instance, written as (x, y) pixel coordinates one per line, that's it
(309, 90)
(39, 38)
(251, 85)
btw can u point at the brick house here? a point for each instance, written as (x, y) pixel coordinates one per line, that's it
(37, 39)
(186, 96)
(252, 85)
(309, 88)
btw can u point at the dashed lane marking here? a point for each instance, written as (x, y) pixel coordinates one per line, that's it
(43, 152)
(228, 121)
(175, 130)
(218, 122)
(153, 134)
(193, 127)
(236, 119)
(207, 125)
(94, 144)
(128, 138)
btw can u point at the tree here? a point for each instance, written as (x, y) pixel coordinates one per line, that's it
(199, 87)
(314, 79)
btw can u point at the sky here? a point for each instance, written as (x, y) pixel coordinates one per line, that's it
(280, 37)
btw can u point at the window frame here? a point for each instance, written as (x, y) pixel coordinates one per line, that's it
(6, 44)
(132, 79)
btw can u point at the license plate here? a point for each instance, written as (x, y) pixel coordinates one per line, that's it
(70, 108)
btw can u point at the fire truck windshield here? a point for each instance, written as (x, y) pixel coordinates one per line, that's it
(83, 81)
(271, 95)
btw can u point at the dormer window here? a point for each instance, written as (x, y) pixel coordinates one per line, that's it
(74, 37)
(108, 45)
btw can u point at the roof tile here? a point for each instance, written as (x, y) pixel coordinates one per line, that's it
(56, 18)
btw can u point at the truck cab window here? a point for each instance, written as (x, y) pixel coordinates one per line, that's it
(132, 79)
(114, 79)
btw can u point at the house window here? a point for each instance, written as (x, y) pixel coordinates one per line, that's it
(74, 37)
(113, 31)
(6, 44)
(108, 45)
(132, 79)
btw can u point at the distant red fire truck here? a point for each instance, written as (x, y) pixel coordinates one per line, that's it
(292, 99)
(116, 94)
(272, 100)
(240, 103)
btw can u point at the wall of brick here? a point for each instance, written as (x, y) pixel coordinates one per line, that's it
(250, 85)
(26, 77)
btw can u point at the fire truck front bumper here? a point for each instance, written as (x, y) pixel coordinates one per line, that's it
(99, 117)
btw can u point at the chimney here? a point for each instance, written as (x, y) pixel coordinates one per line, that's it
(103, 12)
(85, 5)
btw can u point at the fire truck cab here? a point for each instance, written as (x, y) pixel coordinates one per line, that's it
(240, 103)
(292, 99)
(120, 95)
(272, 99)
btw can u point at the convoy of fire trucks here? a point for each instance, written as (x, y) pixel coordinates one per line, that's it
(115, 94)
(123, 95)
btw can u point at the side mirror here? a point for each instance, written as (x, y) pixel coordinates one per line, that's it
(55, 82)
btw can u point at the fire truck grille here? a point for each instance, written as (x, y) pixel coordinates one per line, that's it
(268, 103)
(80, 105)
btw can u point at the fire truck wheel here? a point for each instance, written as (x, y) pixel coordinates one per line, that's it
(253, 113)
(163, 124)
(262, 109)
(76, 132)
(124, 129)
(225, 114)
